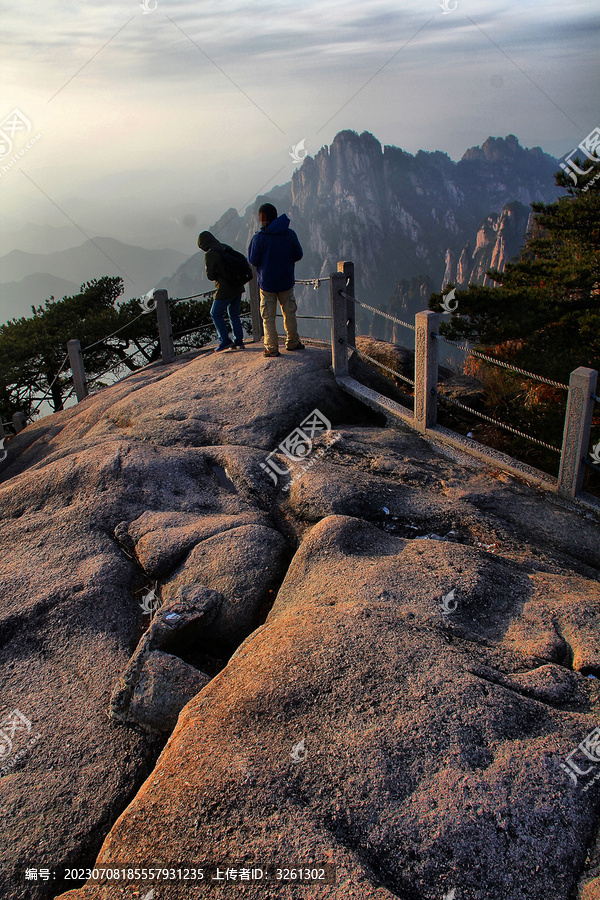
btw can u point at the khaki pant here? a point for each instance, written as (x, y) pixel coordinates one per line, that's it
(268, 310)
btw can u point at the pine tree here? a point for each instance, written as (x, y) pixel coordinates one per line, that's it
(542, 315)
(32, 349)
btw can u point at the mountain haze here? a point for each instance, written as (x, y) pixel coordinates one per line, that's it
(399, 217)
(30, 278)
(410, 223)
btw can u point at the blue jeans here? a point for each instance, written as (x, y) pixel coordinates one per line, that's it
(231, 305)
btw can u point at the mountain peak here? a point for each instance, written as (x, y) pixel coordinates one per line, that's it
(364, 141)
(496, 148)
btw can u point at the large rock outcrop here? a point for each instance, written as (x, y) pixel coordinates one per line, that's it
(406, 706)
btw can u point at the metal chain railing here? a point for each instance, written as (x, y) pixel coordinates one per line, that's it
(328, 318)
(192, 330)
(120, 363)
(377, 363)
(379, 312)
(497, 422)
(51, 385)
(504, 365)
(474, 353)
(316, 282)
(122, 328)
(193, 297)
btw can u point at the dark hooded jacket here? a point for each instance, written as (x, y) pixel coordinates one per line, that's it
(214, 267)
(274, 250)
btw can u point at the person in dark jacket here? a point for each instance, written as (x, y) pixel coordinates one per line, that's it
(228, 297)
(274, 250)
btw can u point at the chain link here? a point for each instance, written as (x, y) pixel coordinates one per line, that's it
(51, 385)
(328, 318)
(504, 365)
(316, 282)
(499, 424)
(380, 312)
(377, 363)
(193, 297)
(120, 363)
(122, 328)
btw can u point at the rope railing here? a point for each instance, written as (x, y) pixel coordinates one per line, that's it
(499, 424)
(377, 363)
(500, 362)
(374, 309)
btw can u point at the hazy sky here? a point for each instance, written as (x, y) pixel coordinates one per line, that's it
(198, 105)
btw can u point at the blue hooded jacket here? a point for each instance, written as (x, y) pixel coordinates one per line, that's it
(274, 250)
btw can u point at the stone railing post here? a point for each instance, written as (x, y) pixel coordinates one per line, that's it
(165, 332)
(426, 369)
(347, 268)
(257, 323)
(339, 331)
(19, 421)
(576, 434)
(76, 361)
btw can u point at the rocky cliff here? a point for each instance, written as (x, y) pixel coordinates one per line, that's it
(499, 239)
(380, 662)
(403, 219)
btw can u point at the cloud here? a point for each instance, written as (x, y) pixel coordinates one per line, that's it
(196, 90)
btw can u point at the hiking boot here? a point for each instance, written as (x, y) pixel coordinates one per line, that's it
(225, 345)
(299, 346)
(269, 353)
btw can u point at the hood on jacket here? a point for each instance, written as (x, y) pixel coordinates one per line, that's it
(278, 225)
(206, 240)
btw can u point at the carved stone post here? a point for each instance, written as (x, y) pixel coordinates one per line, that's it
(339, 331)
(76, 360)
(257, 322)
(165, 332)
(347, 268)
(576, 435)
(426, 369)
(19, 421)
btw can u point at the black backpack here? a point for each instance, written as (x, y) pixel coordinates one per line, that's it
(234, 267)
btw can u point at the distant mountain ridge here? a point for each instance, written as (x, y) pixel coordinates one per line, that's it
(408, 222)
(19, 296)
(30, 278)
(399, 217)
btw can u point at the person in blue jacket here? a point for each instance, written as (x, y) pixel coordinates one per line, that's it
(274, 250)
